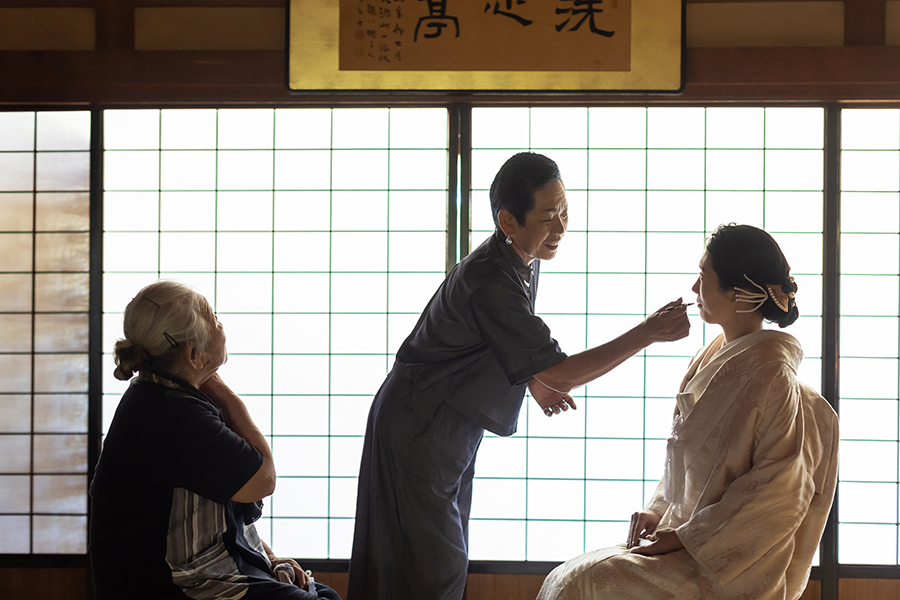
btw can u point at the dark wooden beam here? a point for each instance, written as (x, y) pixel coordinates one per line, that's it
(830, 74)
(864, 22)
(114, 25)
(119, 77)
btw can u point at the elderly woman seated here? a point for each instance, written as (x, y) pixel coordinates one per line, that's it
(183, 469)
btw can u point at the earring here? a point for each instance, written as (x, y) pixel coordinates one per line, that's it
(508, 241)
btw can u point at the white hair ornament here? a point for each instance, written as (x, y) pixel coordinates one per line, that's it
(772, 290)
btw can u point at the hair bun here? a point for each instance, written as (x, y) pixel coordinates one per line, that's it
(790, 287)
(129, 358)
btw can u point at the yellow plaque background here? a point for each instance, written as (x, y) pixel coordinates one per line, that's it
(656, 57)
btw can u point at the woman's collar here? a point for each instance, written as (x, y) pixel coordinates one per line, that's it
(524, 271)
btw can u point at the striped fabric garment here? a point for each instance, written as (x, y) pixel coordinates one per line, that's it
(201, 564)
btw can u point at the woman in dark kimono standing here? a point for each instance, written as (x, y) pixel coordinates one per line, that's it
(463, 369)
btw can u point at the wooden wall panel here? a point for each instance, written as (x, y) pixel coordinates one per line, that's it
(869, 589)
(892, 23)
(45, 584)
(813, 591)
(336, 581)
(64, 28)
(199, 28)
(764, 24)
(503, 587)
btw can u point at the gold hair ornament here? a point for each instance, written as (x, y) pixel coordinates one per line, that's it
(781, 299)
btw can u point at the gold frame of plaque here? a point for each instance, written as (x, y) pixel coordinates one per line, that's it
(485, 45)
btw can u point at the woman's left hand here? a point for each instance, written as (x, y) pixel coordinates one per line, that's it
(302, 579)
(663, 542)
(551, 401)
(300, 576)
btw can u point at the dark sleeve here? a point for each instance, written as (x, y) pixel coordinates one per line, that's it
(519, 339)
(203, 454)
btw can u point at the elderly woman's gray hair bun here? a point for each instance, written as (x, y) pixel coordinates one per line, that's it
(130, 358)
(157, 323)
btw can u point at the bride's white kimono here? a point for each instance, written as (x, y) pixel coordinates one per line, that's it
(749, 480)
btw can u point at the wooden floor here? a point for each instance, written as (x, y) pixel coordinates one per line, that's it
(74, 584)
(525, 587)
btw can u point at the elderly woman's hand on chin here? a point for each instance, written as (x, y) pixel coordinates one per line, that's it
(228, 402)
(214, 386)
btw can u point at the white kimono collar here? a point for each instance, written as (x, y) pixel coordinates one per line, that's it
(698, 377)
(694, 385)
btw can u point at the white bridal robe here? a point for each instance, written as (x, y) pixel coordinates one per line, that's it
(750, 475)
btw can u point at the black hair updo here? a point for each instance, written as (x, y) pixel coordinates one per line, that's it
(738, 252)
(516, 182)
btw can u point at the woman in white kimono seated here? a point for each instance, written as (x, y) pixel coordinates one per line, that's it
(752, 462)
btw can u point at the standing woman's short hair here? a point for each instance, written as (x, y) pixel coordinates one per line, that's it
(743, 255)
(517, 180)
(157, 323)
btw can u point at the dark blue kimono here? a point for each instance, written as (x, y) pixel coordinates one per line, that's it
(463, 369)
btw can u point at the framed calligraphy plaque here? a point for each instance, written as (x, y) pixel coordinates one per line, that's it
(485, 45)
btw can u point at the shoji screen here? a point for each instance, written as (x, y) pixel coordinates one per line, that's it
(870, 281)
(318, 235)
(44, 260)
(645, 187)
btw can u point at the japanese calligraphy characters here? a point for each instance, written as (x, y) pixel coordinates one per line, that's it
(485, 35)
